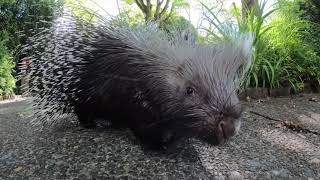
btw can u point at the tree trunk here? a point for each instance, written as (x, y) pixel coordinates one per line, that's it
(146, 7)
(247, 5)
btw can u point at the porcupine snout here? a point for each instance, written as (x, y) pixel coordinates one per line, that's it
(222, 126)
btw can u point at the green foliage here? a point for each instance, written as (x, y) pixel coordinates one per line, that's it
(132, 16)
(287, 38)
(310, 11)
(286, 50)
(130, 2)
(158, 11)
(19, 20)
(80, 10)
(178, 3)
(181, 4)
(262, 72)
(178, 24)
(268, 69)
(7, 81)
(172, 25)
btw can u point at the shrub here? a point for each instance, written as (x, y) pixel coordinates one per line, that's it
(261, 72)
(19, 20)
(7, 81)
(286, 47)
(287, 38)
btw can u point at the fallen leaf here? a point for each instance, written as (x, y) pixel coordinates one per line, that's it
(19, 168)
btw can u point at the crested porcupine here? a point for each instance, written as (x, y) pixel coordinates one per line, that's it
(162, 89)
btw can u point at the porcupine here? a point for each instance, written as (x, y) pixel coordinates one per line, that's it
(162, 89)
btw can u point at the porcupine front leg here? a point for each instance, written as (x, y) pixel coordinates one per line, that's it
(150, 137)
(156, 136)
(85, 117)
(142, 125)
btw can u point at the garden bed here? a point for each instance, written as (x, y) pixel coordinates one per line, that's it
(260, 93)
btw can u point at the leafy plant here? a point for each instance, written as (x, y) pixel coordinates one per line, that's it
(158, 10)
(283, 56)
(19, 20)
(79, 9)
(173, 25)
(262, 71)
(7, 81)
(288, 38)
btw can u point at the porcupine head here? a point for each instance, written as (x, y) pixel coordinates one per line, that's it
(200, 99)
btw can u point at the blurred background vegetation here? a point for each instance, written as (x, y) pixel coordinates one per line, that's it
(287, 36)
(18, 19)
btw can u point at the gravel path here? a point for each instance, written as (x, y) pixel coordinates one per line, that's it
(264, 149)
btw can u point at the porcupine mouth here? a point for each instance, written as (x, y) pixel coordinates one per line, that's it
(223, 133)
(220, 134)
(216, 138)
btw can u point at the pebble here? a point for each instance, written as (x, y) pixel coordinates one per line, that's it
(219, 177)
(235, 175)
(59, 163)
(57, 156)
(315, 161)
(253, 164)
(18, 169)
(267, 175)
(98, 139)
(210, 167)
(302, 136)
(308, 172)
(284, 173)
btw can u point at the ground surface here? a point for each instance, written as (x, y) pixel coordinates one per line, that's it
(266, 148)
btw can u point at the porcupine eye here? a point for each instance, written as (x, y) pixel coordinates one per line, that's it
(190, 91)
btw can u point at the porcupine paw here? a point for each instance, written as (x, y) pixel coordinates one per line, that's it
(151, 139)
(88, 125)
(158, 143)
(87, 122)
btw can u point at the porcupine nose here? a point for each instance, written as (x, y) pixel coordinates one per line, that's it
(227, 128)
(220, 130)
(229, 124)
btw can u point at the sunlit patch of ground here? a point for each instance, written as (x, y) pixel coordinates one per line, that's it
(311, 118)
(15, 99)
(289, 141)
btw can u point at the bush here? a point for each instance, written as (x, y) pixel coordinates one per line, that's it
(261, 72)
(286, 47)
(19, 20)
(7, 81)
(173, 23)
(287, 38)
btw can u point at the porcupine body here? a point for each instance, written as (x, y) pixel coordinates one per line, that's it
(135, 77)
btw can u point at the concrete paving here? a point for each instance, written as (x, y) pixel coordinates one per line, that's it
(264, 149)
